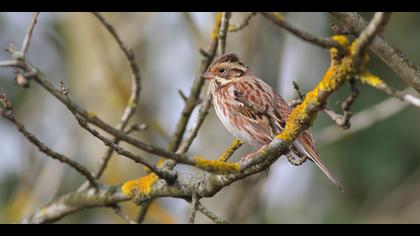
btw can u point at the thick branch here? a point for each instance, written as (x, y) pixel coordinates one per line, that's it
(392, 56)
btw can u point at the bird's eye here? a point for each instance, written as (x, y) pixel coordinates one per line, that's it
(222, 70)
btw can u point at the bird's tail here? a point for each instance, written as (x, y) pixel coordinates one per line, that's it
(305, 145)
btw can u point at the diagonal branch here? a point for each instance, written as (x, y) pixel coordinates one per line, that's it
(279, 20)
(392, 56)
(374, 28)
(6, 112)
(28, 35)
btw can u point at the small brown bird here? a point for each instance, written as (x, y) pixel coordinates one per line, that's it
(253, 111)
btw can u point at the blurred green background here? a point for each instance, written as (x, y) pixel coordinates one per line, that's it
(378, 162)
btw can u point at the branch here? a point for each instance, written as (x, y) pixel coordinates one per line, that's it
(374, 28)
(392, 56)
(194, 205)
(6, 112)
(223, 33)
(236, 144)
(167, 175)
(123, 216)
(362, 120)
(279, 20)
(244, 22)
(210, 214)
(343, 121)
(135, 90)
(28, 35)
(196, 88)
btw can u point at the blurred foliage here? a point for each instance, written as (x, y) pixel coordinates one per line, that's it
(378, 166)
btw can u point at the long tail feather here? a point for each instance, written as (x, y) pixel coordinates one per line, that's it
(303, 146)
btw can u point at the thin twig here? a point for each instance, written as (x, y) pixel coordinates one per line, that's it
(321, 42)
(167, 175)
(6, 112)
(192, 26)
(235, 145)
(135, 90)
(206, 105)
(362, 120)
(143, 208)
(117, 210)
(194, 204)
(28, 35)
(223, 33)
(191, 102)
(244, 22)
(192, 134)
(402, 95)
(374, 28)
(343, 121)
(216, 219)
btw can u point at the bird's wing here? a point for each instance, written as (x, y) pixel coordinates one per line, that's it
(255, 105)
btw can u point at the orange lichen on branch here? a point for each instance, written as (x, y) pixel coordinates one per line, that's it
(216, 166)
(139, 187)
(230, 150)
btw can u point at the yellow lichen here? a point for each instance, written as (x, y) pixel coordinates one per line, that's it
(92, 114)
(332, 79)
(139, 187)
(160, 163)
(278, 15)
(216, 166)
(216, 27)
(230, 150)
(132, 103)
(341, 39)
(367, 78)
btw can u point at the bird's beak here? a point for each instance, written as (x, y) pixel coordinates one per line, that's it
(207, 76)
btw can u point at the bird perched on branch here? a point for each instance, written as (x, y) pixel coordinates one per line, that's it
(253, 111)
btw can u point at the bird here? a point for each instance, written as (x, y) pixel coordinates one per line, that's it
(254, 112)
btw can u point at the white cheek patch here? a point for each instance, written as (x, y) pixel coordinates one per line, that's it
(221, 80)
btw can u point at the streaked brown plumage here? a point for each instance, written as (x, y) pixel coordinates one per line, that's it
(252, 110)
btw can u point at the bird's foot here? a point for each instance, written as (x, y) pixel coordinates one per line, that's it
(295, 160)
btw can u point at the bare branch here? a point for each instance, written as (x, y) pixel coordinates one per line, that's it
(244, 22)
(6, 112)
(204, 110)
(143, 208)
(135, 90)
(123, 216)
(374, 28)
(362, 120)
(306, 36)
(223, 33)
(343, 121)
(28, 35)
(194, 204)
(210, 214)
(402, 95)
(392, 56)
(167, 175)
